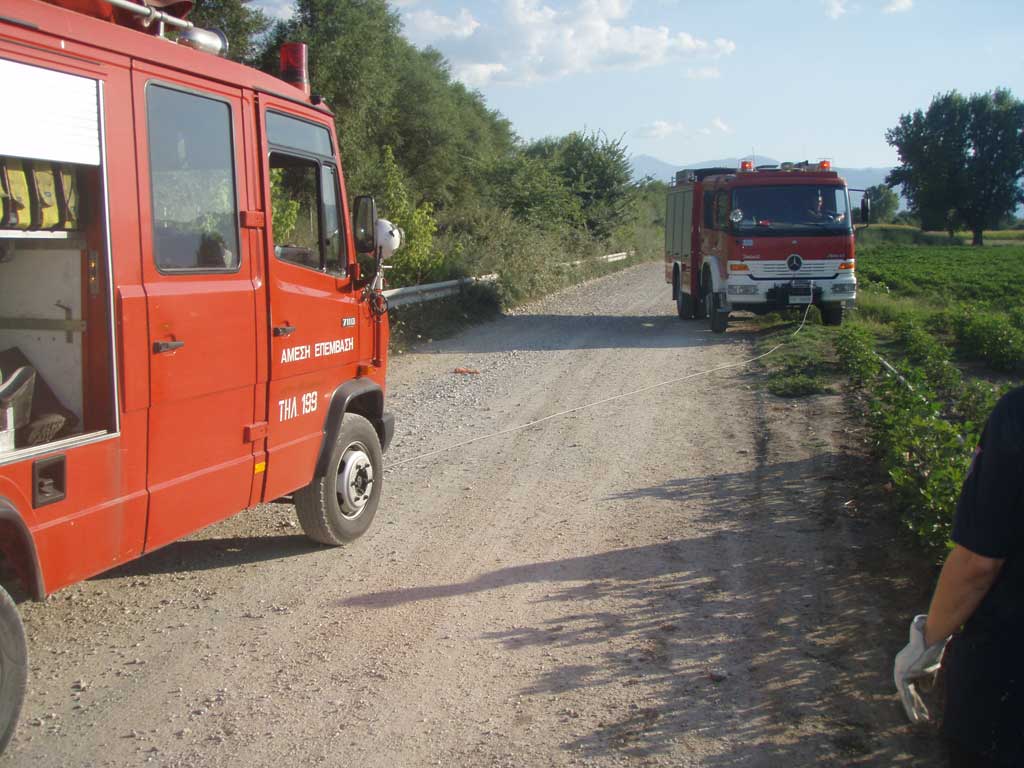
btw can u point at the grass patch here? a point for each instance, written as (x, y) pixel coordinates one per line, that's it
(796, 384)
(804, 365)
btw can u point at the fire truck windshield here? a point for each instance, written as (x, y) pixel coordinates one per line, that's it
(804, 208)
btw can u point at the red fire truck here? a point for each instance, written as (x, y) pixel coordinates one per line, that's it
(759, 239)
(189, 324)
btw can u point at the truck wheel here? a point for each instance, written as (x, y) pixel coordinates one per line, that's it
(684, 304)
(339, 505)
(13, 667)
(717, 319)
(832, 314)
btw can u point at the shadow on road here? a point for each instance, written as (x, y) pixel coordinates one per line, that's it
(564, 332)
(769, 641)
(212, 554)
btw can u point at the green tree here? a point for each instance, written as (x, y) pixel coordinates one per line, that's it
(444, 136)
(533, 192)
(961, 161)
(884, 203)
(416, 261)
(245, 27)
(596, 170)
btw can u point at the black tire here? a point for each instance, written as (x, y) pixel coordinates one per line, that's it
(13, 667)
(832, 314)
(332, 518)
(717, 319)
(700, 304)
(684, 304)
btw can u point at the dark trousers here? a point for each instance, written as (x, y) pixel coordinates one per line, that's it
(962, 758)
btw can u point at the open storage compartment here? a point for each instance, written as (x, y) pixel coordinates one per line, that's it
(56, 344)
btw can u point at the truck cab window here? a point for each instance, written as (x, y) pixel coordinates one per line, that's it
(191, 159)
(305, 203)
(334, 231)
(295, 210)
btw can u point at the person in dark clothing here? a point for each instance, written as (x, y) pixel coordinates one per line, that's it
(980, 598)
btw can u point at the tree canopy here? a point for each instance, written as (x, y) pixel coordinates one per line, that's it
(595, 169)
(884, 203)
(962, 160)
(244, 26)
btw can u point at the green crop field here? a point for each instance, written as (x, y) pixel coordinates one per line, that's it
(951, 320)
(991, 276)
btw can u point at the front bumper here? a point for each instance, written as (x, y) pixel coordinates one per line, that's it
(742, 292)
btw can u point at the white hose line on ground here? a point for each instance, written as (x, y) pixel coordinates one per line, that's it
(578, 408)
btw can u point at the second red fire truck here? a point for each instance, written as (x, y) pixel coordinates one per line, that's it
(759, 239)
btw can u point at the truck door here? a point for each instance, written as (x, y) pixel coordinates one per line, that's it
(200, 301)
(315, 311)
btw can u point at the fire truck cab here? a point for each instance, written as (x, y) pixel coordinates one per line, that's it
(759, 239)
(185, 328)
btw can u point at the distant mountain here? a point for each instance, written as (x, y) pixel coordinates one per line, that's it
(645, 165)
(857, 178)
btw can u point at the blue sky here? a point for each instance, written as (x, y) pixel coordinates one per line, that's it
(690, 80)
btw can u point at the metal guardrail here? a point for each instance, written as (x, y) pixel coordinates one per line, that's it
(414, 294)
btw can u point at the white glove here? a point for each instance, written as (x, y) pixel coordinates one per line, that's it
(915, 661)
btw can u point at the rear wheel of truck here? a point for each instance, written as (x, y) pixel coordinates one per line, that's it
(684, 304)
(717, 319)
(832, 314)
(13, 667)
(339, 505)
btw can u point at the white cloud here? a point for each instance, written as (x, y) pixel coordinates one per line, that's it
(534, 40)
(724, 47)
(703, 73)
(661, 129)
(476, 75)
(835, 8)
(425, 27)
(898, 6)
(664, 129)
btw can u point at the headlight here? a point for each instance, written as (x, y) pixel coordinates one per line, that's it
(844, 287)
(742, 290)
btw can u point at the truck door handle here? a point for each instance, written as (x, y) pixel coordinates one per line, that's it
(284, 330)
(166, 346)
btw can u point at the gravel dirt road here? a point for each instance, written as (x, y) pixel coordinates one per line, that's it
(689, 577)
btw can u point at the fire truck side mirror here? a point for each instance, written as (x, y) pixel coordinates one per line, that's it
(364, 225)
(865, 210)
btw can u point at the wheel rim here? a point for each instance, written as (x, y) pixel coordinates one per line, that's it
(355, 480)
